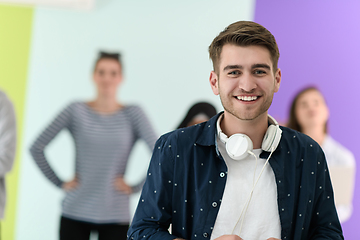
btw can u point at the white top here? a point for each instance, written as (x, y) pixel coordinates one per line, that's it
(7, 144)
(262, 218)
(339, 156)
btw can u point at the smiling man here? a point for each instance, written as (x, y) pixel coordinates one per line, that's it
(239, 175)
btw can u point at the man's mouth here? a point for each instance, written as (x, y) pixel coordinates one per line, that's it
(247, 98)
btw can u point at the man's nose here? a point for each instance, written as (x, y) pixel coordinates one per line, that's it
(247, 83)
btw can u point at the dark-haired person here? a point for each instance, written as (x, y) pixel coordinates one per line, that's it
(104, 132)
(309, 114)
(198, 113)
(239, 175)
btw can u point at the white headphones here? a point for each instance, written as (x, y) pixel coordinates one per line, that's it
(239, 145)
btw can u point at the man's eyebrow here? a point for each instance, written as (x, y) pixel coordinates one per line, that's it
(258, 65)
(261, 65)
(228, 67)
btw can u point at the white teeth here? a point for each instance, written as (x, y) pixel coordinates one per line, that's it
(247, 98)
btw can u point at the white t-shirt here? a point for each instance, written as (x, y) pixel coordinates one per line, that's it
(261, 218)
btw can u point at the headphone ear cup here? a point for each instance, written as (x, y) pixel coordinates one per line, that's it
(272, 138)
(238, 145)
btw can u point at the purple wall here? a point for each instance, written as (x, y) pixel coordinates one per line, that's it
(319, 45)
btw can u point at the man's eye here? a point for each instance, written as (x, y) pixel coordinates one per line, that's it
(234, 73)
(101, 72)
(259, 72)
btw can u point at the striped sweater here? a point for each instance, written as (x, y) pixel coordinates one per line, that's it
(103, 143)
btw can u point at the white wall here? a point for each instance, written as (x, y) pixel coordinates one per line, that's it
(164, 46)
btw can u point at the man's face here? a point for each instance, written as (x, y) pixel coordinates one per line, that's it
(246, 81)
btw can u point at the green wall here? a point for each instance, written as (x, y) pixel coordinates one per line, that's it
(15, 34)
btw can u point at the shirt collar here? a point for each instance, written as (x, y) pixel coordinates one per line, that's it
(208, 135)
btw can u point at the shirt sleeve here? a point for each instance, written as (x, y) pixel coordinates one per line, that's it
(145, 131)
(63, 120)
(7, 135)
(325, 223)
(143, 128)
(154, 212)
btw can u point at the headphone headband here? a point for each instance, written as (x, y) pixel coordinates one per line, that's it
(272, 120)
(221, 135)
(238, 145)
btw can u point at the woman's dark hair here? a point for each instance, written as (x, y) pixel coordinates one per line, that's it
(293, 122)
(106, 55)
(198, 108)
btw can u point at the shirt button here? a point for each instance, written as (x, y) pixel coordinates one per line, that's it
(205, 235)
(222, 174)
(214, 204)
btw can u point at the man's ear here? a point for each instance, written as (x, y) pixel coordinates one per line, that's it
(214, 82)
(277, 79)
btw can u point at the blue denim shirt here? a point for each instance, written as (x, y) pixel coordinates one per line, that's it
(187, 176)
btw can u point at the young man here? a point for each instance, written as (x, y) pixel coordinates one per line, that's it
(239, 175)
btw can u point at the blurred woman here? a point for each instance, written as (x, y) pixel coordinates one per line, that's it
(104, 132)
(309, 114)
(198, 113)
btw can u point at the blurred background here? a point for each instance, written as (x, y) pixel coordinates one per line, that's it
(48, 48)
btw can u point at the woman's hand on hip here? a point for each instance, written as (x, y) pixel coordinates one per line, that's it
(122, 186)
(71, 185)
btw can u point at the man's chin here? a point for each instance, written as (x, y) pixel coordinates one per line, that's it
(248, 116)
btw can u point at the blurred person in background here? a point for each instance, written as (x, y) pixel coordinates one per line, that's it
(104, 132)
(198, 113)
(309, 114)
(7, 145)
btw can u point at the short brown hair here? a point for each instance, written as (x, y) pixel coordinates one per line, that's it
(244, 33)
